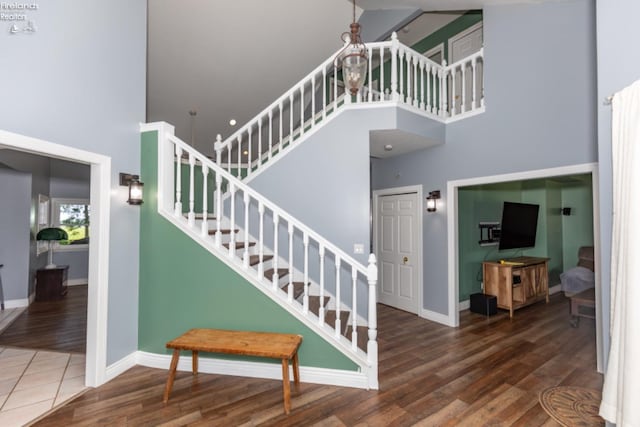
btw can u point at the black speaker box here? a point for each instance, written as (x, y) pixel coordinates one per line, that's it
(483, 304)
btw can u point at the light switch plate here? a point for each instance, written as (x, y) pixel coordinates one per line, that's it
(358, 248)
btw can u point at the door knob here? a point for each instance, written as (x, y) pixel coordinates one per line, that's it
(405, 260)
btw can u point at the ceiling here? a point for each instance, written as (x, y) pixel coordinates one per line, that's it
(230, 59)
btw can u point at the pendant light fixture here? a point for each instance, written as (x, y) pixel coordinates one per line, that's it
(353, 58)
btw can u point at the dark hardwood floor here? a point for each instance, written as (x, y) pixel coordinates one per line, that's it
(52, 325)
(488, 371)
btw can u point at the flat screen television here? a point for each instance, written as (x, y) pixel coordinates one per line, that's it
(519, 225)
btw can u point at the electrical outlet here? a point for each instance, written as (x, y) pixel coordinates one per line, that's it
(358, 248)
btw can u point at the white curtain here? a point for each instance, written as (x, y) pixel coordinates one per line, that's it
(621, 392)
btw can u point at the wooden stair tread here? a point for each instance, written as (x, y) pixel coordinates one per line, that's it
(223, 231)
(281, 273)
(255, 259)
(314, 303)
(298, 289)
(330, 319)
(363, 336)
(239, 245)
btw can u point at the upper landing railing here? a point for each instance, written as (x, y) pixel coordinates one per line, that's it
(397, 75)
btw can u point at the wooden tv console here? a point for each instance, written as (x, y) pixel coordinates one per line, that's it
(501, 279)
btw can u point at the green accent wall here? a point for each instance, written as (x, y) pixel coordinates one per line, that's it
(558, 236)
(183, 286)
(445, 33)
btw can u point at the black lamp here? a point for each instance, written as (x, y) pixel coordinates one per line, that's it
(52, 234)
(135, 188)
(431, 200)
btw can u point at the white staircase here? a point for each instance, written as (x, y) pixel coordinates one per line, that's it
(401, 77)
(313, 279)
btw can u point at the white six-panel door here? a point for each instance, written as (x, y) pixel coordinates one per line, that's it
(398, 252)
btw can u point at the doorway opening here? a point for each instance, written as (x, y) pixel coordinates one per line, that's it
(453, 233)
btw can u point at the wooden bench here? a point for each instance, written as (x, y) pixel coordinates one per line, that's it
(260, 344)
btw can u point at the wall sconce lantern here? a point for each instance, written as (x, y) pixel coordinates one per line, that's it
(431, 200)
(135, 187)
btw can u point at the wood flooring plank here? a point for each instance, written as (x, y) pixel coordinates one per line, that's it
(488, 371)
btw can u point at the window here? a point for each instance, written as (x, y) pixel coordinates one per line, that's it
(72, 215)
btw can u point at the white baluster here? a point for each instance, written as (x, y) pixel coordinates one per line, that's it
(239, 157)
(261, 242)
(178, 208)
(415, 81)
(401, 73)
(372, 344)
(245, 255)
(302, 110)
(324, 93)
(270, 134)
(428, 103)
(305, 301)
(313, 101)
(482, 81)
(250, 150)
(453, 92)
(229, 158)
(205, 211)
(407, 98)
(437, 94)
(354, 312)
(280, 127)
(232, 219)
(381, 72)
(217, 146)
(421, 106)
(443, 81)
(394, 67)
(473, 84)
(290, 288)
(463, 101)
(338, 298)
(370, 94)
(335, 86)
(219, 208)
(276, 276)
(290, 118)
(321, 311)
(259, 144)
(191, 216)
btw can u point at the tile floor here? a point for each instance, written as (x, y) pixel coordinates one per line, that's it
(32, 382)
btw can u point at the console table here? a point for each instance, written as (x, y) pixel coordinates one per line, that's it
(517, 282)
(51, 283)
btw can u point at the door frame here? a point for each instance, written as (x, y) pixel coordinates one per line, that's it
(462, 34)
(452, 235)
(100, 199)
(409, 189)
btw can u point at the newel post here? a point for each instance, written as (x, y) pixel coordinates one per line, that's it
(395, 96)
(217, 146)
(372, 344)
(166, 167)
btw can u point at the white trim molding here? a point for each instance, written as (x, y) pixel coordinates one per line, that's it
(243, 368)
(100, 196)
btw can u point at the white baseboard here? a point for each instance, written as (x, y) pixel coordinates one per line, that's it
(17, 303)
(555, 289)
(76, 282)
(121, 366)
(243, 368)
(464, 305)
(435, 316)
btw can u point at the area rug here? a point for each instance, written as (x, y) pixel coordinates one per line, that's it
(572, 406)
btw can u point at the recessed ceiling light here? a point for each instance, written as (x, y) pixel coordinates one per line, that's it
(388, 147)
(245, 152)
(232, 122)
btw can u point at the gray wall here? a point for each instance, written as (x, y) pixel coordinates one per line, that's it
(15, 189)
(80, 81)
(539, 88)
(618, 67)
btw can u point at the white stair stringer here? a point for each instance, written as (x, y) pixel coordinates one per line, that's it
(170, 206)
